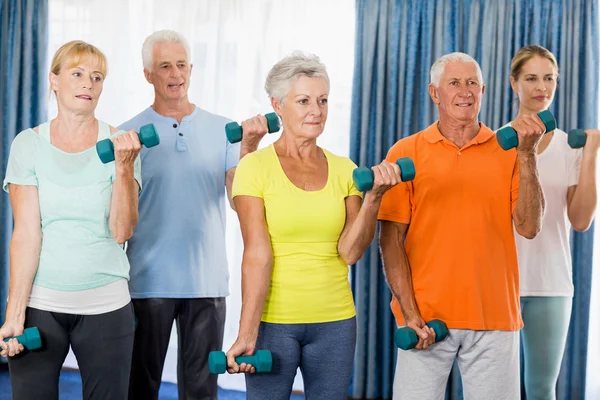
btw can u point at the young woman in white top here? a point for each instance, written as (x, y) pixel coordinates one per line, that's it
(568, 179)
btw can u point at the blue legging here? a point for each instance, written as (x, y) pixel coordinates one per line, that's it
(323, 351)
(544, 336)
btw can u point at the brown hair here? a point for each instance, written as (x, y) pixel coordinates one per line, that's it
(527, 53)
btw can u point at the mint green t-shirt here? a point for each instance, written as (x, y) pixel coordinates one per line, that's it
(75, 190)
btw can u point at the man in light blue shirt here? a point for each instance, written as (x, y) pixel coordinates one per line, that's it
(177, 252)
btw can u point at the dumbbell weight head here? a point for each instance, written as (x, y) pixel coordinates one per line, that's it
(149, 136)
(576, 138)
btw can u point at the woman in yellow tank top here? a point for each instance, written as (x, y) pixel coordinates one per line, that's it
(302, 223)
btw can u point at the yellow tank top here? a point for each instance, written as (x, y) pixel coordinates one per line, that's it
(310, 282)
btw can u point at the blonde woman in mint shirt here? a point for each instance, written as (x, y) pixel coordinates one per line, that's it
(72, 214)
(302, 223)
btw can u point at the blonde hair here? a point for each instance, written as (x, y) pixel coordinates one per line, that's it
(72, 53)
(527, 53)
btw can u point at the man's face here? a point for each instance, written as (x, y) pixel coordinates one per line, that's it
(458, 95)
(170, 72)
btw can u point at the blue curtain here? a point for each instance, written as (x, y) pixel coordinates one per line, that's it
(397, 41)
(23, 90)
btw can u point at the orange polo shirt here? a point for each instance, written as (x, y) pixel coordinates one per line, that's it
(460, 242)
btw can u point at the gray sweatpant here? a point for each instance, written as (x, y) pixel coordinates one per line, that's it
(488, 363)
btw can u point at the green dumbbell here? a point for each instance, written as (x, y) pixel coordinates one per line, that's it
(363, 177)
(30, 339)
(576, 138)
(261, 360)
(406, 338)
(148, 137)
(234, 132)
(507, 137)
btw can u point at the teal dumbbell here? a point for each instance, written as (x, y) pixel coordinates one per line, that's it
(148, 137)
(363, 177)
(576, 138)
(507, 137)
(234, 132)
(406, 338)
(30, 339)
(262, 360)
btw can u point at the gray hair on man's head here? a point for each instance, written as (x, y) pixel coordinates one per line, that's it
(164, 36)
(286, 71)
(437, 69)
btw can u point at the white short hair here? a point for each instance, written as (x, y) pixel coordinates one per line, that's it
(164, 36)
(289, 69)
(437, 69)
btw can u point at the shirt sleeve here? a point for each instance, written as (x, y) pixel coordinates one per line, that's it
(21, 161)
(514, 186)
(137, 171)
(352, 190)
(575, 167)
(248, 179)
(232, 155)
(396, 204)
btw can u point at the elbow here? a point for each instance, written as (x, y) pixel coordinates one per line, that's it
(582, 225)
(122, 237)
(529, 233)
(350, 259)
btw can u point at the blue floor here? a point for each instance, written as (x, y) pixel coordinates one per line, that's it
(70, 388)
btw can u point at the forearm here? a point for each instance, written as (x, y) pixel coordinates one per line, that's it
(583, 205)
(24, 261)
(359, 236)
(399, 278)
(124, 205)
(530, 205)
(256, 278)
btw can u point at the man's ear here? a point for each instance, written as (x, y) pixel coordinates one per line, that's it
(433, 92)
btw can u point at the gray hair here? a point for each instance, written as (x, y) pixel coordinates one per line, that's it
(437, 69)
(289, 69)
(164, 36)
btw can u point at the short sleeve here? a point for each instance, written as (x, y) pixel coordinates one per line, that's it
(352, 190)
(514, 186)
(575, 166)
(137, 171)
(396, 202)
(248, 179)
(232, 155)
(21, 160)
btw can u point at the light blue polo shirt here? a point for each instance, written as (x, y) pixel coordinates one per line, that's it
(178, 246)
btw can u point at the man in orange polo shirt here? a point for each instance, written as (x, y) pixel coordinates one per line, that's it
(448, 244)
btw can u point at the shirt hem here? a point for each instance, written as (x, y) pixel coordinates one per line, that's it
(170, 295)
(546, 294)
(309, 320)
(75, 288)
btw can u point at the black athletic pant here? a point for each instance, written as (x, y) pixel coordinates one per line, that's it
(102, 344)
(200, 326)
